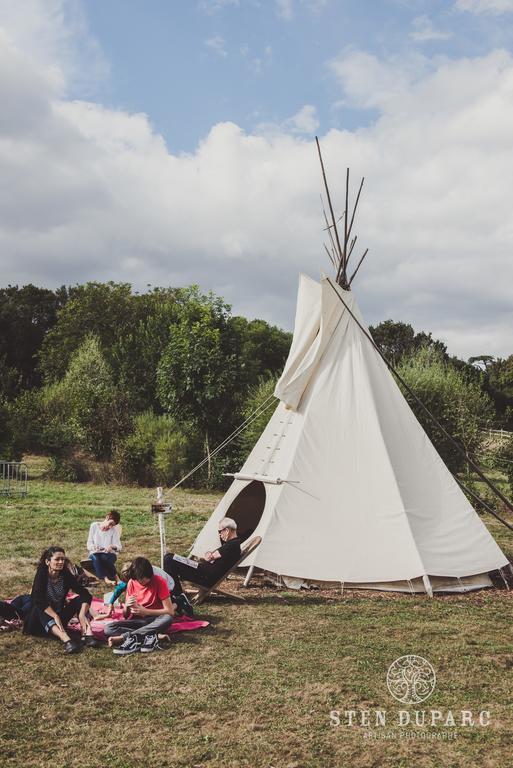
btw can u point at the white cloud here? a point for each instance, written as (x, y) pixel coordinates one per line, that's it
(424, 31)
(217, 45)
(304, 121)
(485, 6)
(55, 32)
(368, 83)
(439, 162)
(93, 193)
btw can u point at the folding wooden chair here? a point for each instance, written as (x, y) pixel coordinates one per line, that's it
(202, 593)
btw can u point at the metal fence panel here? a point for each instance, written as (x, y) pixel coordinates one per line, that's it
(13, 478)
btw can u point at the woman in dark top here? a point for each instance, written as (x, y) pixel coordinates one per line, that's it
(50, 612)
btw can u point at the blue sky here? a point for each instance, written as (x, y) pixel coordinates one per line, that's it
(189, 64)
(170, 143)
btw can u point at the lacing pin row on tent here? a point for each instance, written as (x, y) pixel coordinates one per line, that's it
(279, 436)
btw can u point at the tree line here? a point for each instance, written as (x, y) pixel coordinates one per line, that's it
(139, 386)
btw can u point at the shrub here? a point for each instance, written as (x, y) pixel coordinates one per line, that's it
(453, 398)
(67, 469)
(40, 422)
(87, 391)
(6, 435)
(503, 459)
(155, 453)
(213, 476)
(258, 395)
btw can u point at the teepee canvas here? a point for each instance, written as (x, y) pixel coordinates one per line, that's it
(344, 485)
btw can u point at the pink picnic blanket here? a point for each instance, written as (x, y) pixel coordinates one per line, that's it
(180, 624)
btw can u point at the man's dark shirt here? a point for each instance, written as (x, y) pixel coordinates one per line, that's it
(230, 553)
(207, 573)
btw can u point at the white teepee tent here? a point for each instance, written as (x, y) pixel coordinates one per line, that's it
(344, 485)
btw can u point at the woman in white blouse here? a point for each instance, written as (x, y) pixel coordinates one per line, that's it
(103, 544)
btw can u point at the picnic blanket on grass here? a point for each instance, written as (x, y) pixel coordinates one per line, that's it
(180, 624)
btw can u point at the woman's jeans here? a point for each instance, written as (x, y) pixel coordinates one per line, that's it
(70, 609)
(103, 564)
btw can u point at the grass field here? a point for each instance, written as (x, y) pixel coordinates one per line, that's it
(256, 688)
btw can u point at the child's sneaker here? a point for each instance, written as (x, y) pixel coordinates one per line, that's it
(129, 645)
(183, 605)
(163, 642)
(149, 644)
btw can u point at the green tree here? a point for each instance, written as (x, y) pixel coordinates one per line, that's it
(84, 411)
(40, 421)
(456, 400)
(76, 412)
(496, 375)
(199, 377)
(137, 351)
(10, 379)
(501, 374)
(26, 316)
(89, 391)
(6, 434)
(103, 310)
(397, 340)
(132, 331)
(263, 348)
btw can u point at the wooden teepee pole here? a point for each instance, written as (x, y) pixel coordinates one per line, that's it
(345, 225)
(328, 196)
(342, 252)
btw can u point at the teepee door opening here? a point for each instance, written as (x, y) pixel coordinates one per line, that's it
(247, 508)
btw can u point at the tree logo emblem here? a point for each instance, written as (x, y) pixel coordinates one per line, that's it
(411, 679)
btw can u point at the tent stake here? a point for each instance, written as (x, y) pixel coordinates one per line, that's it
(249, 575)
